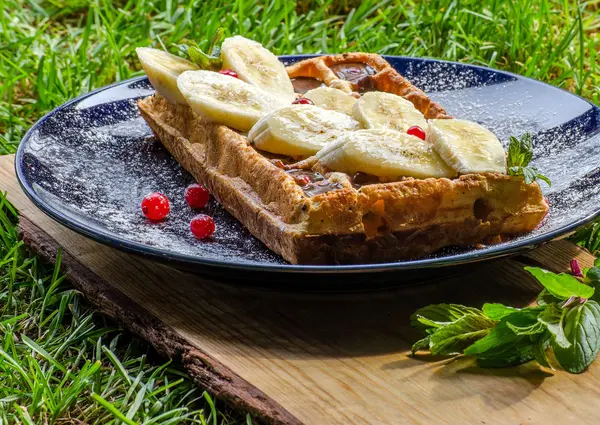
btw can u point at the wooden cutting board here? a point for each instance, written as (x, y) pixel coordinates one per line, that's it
(321, 358)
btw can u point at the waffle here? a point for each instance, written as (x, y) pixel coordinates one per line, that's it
(336, 221)
(360, 72)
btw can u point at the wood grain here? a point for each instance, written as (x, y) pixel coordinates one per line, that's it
(326, 358)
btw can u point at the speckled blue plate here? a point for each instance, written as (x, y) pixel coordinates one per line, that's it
(88, 163)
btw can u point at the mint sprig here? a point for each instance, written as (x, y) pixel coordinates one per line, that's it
(520, 153)
(209, 61)
(565, 321)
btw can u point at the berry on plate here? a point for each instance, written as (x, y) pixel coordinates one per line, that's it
(202, 226)
(196, 195)
(155, 206)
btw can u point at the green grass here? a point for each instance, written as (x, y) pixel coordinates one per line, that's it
(59, 361)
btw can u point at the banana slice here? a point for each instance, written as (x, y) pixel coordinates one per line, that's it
(467, 146)
(386, 110)
(384, 153)
(330, 98)
(300, 130)
(162, 69)
(257, 66)
(225, 100)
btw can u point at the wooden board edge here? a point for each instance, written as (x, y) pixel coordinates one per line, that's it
(203, 369)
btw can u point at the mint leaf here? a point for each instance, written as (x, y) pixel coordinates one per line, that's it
(591, 276)
(525, 321)
(439, 315)
(552, 318)
(203, 60)
(215, 48)
(453, 338)
(545, 298)
(497, 311)
(518, 353)
(422, 344)
(540, 346)
(520, 153)
(582, 330)
(562, 286)
(501, 347)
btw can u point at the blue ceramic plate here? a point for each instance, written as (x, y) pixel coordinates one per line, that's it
(88, 163)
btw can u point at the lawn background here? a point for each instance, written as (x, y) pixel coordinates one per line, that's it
(60, 362)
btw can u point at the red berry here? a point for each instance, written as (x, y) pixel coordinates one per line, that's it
(303, 101)
(155, 206)
(229, 72)
(196, 195)
(202, 226)
(415, 130)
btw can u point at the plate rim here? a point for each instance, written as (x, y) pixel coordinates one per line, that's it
(115, 241)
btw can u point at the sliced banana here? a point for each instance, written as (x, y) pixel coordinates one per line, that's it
(257, 66)
(225, 100)
(386, 110)
(467, 146)
(384, 153)
(162, 69)
(300, 130)
(330, 98)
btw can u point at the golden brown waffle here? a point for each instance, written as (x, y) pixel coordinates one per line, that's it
(346, 224)
(336, 219)
(359, 72)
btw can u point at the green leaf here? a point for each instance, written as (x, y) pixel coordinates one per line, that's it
(540, 346)
(507, 333)
(453, 338)
(524, 321)
(529, 174)
(597, 262)
(497, 311)
(545, 298)
(591, 276)
(422, 344)
(439, 315)
(562, 286)
(518, 353)
(582, 329)
(214, 48)
(203, 60)
(552, 318)
(520, 151)
(501, 347)
(543, 178)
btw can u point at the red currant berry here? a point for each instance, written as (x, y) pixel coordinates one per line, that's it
(303, 101)
(229, 72)
(415, 130)
(196, 195)
(202, 226)
(155, 206)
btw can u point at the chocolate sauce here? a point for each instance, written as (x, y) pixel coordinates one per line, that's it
(317, 183)
(352, 71)
(362, 179)
(304, 84)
